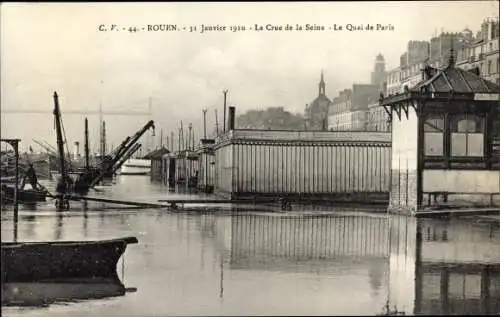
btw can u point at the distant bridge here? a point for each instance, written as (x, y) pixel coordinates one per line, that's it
(79, 112)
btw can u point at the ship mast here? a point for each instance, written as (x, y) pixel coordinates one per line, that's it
(60, 146)
(87, 163)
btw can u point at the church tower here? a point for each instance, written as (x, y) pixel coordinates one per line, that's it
(316, 114)
(379, 73)
(321, 85)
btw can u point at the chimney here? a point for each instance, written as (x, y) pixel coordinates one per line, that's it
(231, 118)
(77, 149)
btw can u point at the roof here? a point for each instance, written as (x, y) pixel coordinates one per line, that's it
(157, 154)
(445, 83)
(456, 80)
(317, 100)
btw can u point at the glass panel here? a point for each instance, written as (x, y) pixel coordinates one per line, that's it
(433, 135)
(475, 144)
(458, 144)
(433, 143)
(496, 135)
(467, 135)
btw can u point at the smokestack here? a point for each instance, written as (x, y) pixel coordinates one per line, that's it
(224, 121)
(231, 118)
(77, 149)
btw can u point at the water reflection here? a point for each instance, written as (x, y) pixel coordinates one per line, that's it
(352, 250)
(44, 294)
(258, 241)
(85, 208)
(329, 263)
(445, 267)
(58, 230)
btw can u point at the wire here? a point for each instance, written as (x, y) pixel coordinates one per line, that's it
(65, 142)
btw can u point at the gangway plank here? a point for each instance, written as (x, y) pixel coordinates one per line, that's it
(169, 203)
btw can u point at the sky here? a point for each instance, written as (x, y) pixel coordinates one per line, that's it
(47, 47)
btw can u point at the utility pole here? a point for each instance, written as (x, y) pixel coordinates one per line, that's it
(150, 139)
(181, 136)
(172, 141)
(100, 128)
(180, 141)
(204, 123)
(192, 139)
(216, 123)
(161, 138)
(225, 99)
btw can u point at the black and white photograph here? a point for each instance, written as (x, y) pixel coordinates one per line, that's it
(295, 158)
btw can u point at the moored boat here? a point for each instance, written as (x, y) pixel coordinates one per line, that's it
(46, 293)
(46, 261)
(136, 167)
(25, 195)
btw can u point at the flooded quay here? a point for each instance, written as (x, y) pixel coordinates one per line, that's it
(303, 262)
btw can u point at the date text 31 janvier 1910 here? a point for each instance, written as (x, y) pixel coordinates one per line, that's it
(289, 27)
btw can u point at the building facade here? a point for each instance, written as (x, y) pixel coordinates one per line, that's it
(418, 52)
(393, 81)
(316, 112)
(339, 115)
(483, 52)
(440, 47)
(479, 53)
(377, 118)
(349, 111)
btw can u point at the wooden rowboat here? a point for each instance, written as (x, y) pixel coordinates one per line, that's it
(46, 293)
(24, 195)
(47, 261)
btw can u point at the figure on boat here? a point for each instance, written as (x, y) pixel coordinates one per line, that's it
(37, 193)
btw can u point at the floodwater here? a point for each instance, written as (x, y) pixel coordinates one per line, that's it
(303, 262)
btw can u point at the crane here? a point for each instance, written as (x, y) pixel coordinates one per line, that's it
(123, 150)
(47, 147)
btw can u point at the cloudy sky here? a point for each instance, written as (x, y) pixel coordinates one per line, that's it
(58, 47)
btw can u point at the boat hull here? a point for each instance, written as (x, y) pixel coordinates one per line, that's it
(141, 173)
(25, 195)
(136, 167)
(46, 293)
(46, 261)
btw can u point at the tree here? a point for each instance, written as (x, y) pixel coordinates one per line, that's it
(272, 118)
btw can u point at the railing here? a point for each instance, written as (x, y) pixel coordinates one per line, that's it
(441, 197)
